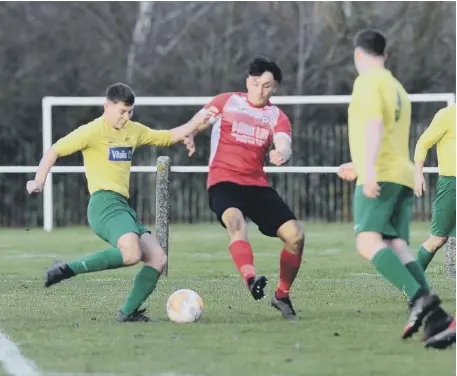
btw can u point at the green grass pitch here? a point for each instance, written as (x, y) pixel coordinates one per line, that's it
(351, 319)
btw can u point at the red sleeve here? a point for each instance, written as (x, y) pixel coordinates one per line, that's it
(283, 124)
(219, 101)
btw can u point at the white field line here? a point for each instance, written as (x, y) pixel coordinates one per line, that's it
(13, 362)
(16, 364)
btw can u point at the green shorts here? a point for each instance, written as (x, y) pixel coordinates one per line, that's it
(389, 214)
(110, 217)
(443, 217)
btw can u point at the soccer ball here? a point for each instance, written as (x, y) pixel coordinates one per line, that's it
(184, 306)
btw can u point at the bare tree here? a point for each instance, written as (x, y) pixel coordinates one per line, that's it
(308, 32)
(140, 34)
(194, 48)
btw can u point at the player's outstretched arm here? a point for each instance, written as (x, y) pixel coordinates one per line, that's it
(170, 137)
(197, 124)
(214, 109)
(47, 162)
(77, 140)
(213, 113)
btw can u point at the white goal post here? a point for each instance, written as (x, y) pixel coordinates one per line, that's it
(49, 102)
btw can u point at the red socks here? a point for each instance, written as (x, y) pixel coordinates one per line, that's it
(243, 258)
(288, 268)
(289, 265)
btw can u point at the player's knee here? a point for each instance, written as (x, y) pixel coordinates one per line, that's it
(158, 260)
(153, 254)
(434, 242)
(293, 236)
(297, 239)
(129, 244)
(369, 243)
(163, 260)
(401, 249)
(398, 244)
(234, 221)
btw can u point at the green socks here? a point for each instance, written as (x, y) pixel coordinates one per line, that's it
(107, 259)
(424, 257)
(391, 268)
(143, 286)
(418, 273)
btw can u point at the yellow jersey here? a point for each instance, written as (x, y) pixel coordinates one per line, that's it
(107, 152)
(378, 95)
(441, 133)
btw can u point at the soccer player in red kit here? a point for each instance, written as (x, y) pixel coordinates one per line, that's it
(245, 127)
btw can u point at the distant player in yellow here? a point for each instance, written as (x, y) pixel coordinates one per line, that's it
(441, 133)
(379, 119)
(107, 144)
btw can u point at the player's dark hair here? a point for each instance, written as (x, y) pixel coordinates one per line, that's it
(120, 93)
(371, 41)
(261, 65)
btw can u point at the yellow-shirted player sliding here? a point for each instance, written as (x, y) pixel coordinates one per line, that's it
(379, 119)
(441, 133)
(107, 145)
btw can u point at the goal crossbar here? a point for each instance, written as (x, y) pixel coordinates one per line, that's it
(187, 169)
(49, 102)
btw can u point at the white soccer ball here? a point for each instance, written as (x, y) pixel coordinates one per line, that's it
(184, 306)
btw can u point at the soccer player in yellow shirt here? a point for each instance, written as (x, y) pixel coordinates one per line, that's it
(441, 133)
(379, 119)
(107, 145)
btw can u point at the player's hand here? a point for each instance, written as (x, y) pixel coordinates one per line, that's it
(33, 187)
(210, 114)
(276, 158)
(371, 189)
(190, 144)
(419, 184)
(347, 172)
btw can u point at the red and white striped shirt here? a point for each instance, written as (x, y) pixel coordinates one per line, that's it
(241, 137)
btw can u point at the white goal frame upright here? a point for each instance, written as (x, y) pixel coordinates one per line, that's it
(49, 102)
